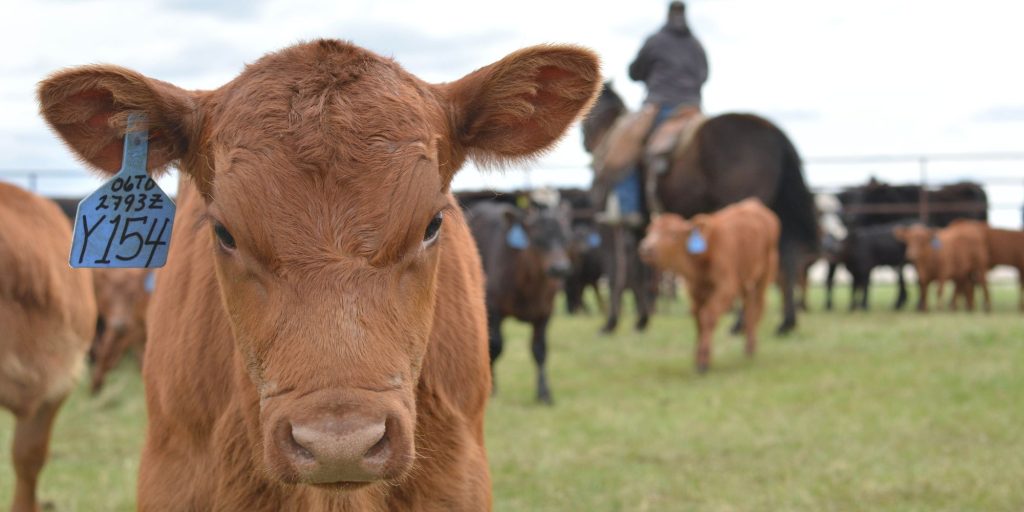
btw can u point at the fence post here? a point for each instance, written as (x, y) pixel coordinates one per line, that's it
(922, 203)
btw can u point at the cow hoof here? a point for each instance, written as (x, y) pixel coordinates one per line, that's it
(641, 324)
(702, 369)
(785, 328)
(608, 328)
(545, 399)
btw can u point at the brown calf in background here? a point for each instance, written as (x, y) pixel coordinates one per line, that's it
(1006, 247)
(47, 318)
(728, 254)
(957, 253)
(121, 300)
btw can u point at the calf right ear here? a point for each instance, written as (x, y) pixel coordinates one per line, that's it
(88, 107)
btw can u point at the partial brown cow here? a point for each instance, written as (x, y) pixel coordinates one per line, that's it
(121, 299)
(1006, 247)
(957, 253)
(732, 253)
(318, 340)
(47, 319)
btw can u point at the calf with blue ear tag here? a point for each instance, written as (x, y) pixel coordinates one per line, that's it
(127, 222)
(696, 244)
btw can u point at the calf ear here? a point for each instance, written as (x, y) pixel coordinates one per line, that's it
(522, 104)
(900, 233)
(88, 107)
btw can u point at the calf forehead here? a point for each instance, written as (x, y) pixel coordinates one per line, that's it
(323, 141)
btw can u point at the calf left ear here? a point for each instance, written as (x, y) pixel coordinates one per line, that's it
(522, 104)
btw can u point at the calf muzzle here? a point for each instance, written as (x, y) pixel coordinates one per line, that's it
(338, 437)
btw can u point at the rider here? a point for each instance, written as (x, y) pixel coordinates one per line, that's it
(673, 66)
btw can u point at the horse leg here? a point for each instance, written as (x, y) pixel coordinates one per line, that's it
(643, 292)
(31, 444)
(616, 279)
(539, 347)
(495, 344)
(787, 275)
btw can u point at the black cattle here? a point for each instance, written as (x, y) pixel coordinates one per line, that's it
(524, 258)
(587, 268)
(864, 249)
(879, 203)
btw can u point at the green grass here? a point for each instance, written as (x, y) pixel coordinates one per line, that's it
(865, 411)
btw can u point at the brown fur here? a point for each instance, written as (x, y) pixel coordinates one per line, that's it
(741, 260)
(1006, 247)
(326, 163)
(121, 299)
(47, 318)
(961, 257)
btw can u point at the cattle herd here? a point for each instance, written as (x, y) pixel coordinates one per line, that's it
(327, 329)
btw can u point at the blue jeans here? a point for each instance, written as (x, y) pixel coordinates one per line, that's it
(630, 190)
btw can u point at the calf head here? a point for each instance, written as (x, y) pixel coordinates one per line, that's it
(922, 242)
(547, 229)
(121, 299)
(325, 172)
(666, 244)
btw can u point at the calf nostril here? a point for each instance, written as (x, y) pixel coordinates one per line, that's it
(298, 450)
(381, 449)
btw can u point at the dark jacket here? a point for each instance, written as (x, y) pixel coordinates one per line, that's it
(673, 65)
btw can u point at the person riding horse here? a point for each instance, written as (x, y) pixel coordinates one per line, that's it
(674, 67)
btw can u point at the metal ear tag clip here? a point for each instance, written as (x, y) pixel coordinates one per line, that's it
(127, 222)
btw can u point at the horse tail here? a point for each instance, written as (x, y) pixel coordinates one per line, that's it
(795, 203)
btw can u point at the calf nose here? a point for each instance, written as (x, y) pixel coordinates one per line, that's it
(560, 269)
(332, 449)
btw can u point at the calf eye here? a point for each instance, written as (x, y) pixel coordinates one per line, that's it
(433, 228)
(226, 240)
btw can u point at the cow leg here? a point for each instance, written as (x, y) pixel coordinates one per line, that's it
(600, 300)
(31, 444)
(829, 281)
(707, 318)
(901, 298)
(787, 274)
(738, 325)
(984, 292)
(922, 298)
(968, 290)
(865, 286)
(495, 345)
(539, 347)
(753, 310)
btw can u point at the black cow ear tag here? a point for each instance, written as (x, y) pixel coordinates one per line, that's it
(127, 222)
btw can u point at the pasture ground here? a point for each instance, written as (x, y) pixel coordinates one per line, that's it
(866, 411)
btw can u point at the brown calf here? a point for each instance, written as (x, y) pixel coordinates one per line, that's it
(1006, 247)
(957, 253)
(318, 339)
(121, 299)
(47, 319)
(728, 254)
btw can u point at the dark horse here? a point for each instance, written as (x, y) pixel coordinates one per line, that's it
(730, 157)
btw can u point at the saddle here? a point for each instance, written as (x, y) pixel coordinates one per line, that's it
(623, 148)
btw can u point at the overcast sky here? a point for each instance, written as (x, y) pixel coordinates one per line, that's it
(841, 78)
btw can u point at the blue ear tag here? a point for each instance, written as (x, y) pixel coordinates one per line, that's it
(936, 244)
(696, 244)
(127, 222)
(594, 240)
(516, 237)
(150, 283)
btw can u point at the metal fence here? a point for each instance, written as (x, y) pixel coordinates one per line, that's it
(1000, 174)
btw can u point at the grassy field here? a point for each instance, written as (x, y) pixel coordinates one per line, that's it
(876, 411)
